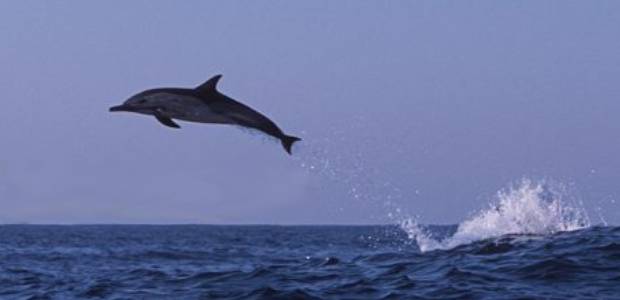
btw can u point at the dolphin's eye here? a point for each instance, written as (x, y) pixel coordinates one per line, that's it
(142, 101)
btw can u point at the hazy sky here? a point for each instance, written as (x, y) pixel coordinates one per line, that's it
(426, 106)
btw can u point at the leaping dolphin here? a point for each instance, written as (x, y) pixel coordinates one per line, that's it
(204, 104)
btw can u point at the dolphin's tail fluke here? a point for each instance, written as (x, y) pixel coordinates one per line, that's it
(288, 141)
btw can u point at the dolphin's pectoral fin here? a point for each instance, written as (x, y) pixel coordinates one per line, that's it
(166, 121)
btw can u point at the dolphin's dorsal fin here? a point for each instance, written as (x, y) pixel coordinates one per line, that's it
(210, 85)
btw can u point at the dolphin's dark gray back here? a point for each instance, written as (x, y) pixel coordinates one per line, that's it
(241, 113)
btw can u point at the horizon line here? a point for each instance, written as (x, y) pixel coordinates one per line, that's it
(212, 224)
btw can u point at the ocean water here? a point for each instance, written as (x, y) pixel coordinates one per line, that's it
(314, 262)
(530, 244)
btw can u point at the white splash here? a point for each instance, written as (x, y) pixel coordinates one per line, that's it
(528, 208)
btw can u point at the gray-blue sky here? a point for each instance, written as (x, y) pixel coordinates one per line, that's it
(432, 106)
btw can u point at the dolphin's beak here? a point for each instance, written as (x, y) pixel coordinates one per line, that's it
(120, 108)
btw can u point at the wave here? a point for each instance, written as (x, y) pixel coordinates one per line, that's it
(527, 208)
(317, 262)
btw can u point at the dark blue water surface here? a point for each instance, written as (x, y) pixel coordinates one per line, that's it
(300, 262)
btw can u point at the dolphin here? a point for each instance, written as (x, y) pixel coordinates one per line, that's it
(204, 104)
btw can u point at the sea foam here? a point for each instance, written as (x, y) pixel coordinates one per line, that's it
(525, 208)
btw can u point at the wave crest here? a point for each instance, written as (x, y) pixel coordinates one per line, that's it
(527, 208)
